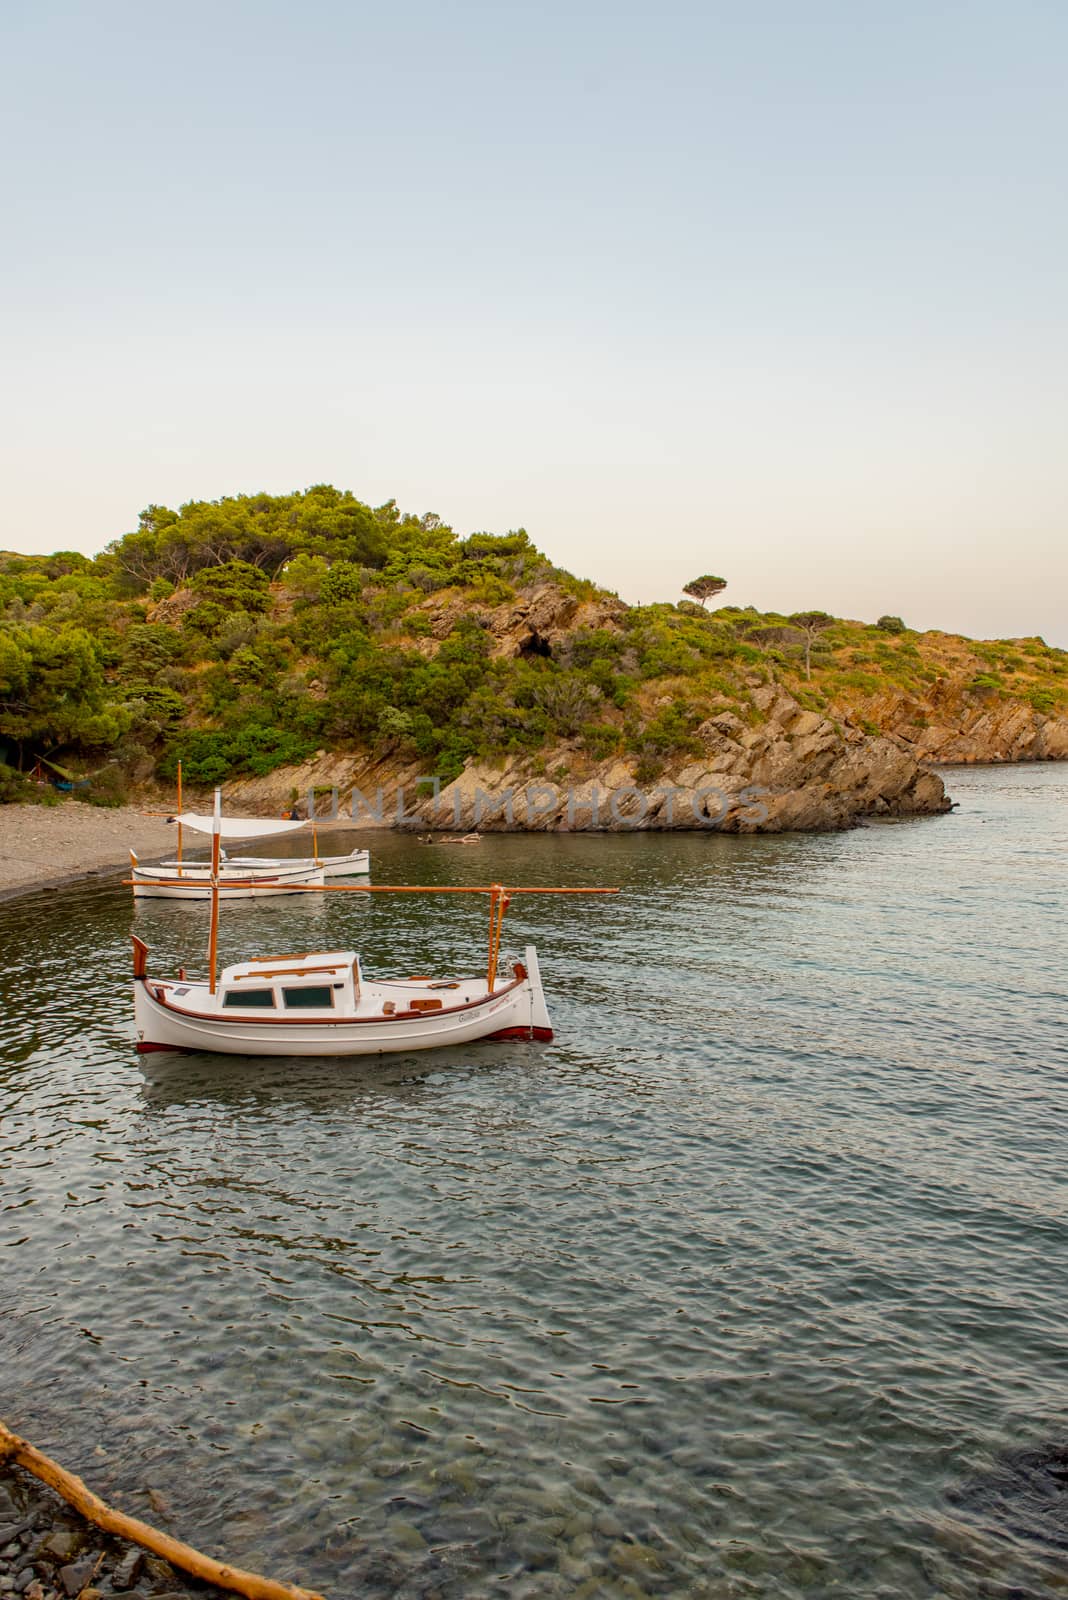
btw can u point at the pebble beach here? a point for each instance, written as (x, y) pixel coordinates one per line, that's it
(43, 847)
(49, 1552)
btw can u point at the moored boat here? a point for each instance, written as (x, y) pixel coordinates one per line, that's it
(322, 1004)
(318, 1003)
(353, 865)
(239, 877)
(195, 882)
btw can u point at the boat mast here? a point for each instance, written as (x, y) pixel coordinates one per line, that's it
(179, 819)
(213, 936)
(498, 906)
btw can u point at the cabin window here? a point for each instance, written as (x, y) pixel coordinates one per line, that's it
(315, 997)
(264, 998)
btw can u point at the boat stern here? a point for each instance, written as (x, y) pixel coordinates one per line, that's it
(540, 1025)
(536, 1023)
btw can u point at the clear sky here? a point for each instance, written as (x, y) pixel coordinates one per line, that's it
(771, 289)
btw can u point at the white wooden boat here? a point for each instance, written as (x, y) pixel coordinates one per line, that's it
(322, 1004)
(354, 865)
(240, 877)
(185, 881)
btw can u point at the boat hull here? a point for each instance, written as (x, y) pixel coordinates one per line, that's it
(164, 1021)
(357, 864)
(160, 883)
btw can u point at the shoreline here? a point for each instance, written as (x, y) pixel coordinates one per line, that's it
(51, 1551)
(55, 846)
(45, 848)
(50, 847)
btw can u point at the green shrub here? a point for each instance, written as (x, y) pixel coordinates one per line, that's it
(15, 787)
(211, 754)
(491, 591)
(236, 585)
(343, 581)
(149, 647)
(648, 767)
(601, 739)
(155, 703)
(671, 731)
(247, 667)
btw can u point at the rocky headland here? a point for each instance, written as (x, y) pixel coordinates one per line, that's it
(310, 644)
(777, 751)
(787, 769)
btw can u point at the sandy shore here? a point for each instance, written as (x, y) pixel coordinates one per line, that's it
(43, 846)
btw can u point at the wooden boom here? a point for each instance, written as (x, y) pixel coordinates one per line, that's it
(425, 888)
(500, 897)
(389, 888)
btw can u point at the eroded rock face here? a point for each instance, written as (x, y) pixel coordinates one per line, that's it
(172, 609)
(795, 770)
(786, 769)
(546, 614)
(955, 727)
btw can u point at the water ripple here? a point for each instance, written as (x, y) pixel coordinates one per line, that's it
(751, 1284)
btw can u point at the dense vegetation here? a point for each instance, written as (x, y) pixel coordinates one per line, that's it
(244, 634)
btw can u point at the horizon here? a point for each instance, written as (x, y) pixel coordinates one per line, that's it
(776, 296)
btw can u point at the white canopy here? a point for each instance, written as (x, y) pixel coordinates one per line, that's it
(236, 827)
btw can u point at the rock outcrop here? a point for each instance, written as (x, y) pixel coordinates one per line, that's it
(762, 761)
(955, 728)
(788, 768)
(793, 770)
(542, 616)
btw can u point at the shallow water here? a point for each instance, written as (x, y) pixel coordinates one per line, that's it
(752, 1283)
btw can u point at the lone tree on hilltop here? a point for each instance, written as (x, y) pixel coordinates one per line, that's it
(811, 624)
(704, 588)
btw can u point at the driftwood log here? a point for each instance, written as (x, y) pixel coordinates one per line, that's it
(74, 1491)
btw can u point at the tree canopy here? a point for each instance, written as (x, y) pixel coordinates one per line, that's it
(702, 589)
(811, 624)
(246, 633)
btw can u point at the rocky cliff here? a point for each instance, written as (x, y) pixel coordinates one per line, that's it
(787, 769)
(778, 749)
(952, 726)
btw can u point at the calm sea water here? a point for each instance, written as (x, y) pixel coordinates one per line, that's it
(753, 1283)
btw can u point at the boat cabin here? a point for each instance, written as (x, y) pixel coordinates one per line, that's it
(301, 985)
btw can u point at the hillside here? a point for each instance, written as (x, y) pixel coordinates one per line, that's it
(272, 642)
